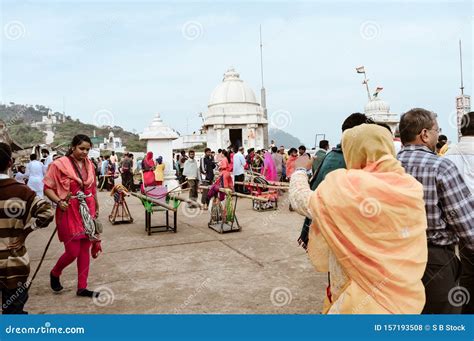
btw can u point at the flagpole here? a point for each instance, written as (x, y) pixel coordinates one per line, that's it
(460, 62)
(463, 110)
(261, 56)
(366, 81)
(263, 95)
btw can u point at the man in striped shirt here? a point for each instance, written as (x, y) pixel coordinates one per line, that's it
(449, 208)
(21, 212)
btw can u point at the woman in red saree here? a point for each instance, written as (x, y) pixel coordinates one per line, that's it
(71, 184)
(148, 166)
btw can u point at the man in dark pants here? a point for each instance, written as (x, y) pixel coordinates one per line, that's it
(239, 168)
(126, 172)
(449, 209)
(207, 166)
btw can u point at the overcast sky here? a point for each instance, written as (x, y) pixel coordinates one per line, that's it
(133, 59)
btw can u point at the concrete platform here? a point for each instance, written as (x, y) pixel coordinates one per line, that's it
(260, 269)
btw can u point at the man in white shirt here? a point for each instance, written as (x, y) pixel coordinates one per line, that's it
(462, 154)
(113, 158)
(35, 173)
(239, 169)
(191, 172)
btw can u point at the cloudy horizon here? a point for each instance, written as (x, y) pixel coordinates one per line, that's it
(136, 59)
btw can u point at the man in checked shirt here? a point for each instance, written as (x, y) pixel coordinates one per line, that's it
(449, 208)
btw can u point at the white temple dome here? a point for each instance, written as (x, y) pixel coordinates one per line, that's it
(377, 106)
(232, 90)
(379, 111)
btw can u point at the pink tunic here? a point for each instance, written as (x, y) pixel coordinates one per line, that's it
(69, 222)
(225, 169)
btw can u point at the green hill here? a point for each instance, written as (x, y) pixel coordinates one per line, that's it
(283, 138)
(64, 133)
(19, 117)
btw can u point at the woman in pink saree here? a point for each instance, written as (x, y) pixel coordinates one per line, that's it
(269, 169)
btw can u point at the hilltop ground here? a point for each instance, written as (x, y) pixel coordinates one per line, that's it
(260, 269)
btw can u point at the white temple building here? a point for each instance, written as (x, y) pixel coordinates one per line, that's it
(47, 121)
(234, 116)
(112, 143)
(159, 137)
(379, 111)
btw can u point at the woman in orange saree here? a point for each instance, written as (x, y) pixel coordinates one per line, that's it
(369, 228)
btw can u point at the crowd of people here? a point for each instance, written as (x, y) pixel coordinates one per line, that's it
(387, 227)
(230, 166)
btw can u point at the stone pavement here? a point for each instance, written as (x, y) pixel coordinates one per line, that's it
(260, 269)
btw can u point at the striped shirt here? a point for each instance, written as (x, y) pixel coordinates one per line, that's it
(448, 202)
(20, 209)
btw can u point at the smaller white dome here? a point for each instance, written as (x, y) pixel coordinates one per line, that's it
(232, 90)
(158, 130)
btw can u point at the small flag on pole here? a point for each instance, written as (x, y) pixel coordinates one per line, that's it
(360, 69)
(377, 91)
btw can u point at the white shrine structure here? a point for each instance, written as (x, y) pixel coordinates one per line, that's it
(379, 111)
(234, 116)
(159, 139)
